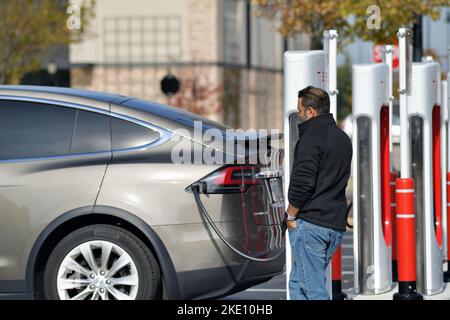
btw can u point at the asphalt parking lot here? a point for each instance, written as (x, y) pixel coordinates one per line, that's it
(347, 261)
(274, 289)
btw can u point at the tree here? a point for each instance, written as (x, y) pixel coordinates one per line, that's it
(314, 16)
(29, 28)
(198, 93)
(344, 82)
(394, 15)
(306, 16)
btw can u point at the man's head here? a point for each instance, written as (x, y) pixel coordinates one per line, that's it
(312, 102)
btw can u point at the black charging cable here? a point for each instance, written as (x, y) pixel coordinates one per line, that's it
(196, 191)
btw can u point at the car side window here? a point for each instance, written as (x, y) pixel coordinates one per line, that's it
(91, 133)
(31, 130)
(126, 134)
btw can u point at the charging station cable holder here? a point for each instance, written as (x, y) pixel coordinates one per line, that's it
(273, 186)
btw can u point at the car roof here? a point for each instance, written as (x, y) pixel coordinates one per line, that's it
(99, 100)
(69, 94)
(51, 91)
(103, 100)
(176, 115)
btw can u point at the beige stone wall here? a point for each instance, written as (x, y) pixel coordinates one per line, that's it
(203, 30)
(253, 98)
(236, 96)
(200, 89)
(93, 50)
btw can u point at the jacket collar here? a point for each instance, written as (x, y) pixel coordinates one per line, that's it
(322, 119)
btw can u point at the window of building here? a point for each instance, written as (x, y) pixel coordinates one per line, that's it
(267, 43)
(234, 32)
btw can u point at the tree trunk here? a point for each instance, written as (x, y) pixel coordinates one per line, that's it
(417, 39)
(317, 33)
(316, 42)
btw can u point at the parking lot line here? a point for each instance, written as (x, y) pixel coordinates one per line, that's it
(347, 272)
(266, 290)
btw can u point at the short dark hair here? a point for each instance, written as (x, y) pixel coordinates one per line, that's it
(315, 98)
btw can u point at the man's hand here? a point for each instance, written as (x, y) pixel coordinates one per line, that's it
(291, 225)
(292, 211)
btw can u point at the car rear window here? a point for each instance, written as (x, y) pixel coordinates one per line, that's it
(91, 133)
(174, 114)
(127, 135)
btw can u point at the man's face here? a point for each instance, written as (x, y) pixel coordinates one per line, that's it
(303, 114)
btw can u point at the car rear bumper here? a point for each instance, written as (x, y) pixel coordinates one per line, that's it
(222, 281)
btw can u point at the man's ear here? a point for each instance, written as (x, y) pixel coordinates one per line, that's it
(313, 111)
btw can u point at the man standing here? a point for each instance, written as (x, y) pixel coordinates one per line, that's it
(317, 212)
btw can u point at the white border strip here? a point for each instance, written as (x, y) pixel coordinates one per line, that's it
(406, 216)
(405, 191)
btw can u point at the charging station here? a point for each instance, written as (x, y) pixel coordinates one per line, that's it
(421, 194)
(424, 119)
(301, 69)
(371, 179)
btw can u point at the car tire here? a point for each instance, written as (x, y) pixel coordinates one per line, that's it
(90, 260)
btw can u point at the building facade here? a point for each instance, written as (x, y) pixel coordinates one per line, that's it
(228, 60)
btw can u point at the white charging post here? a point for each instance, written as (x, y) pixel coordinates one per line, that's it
(405, 65)
(330, 47)
(371, 182)
(424, 120)
(304, 68)
(301, 69)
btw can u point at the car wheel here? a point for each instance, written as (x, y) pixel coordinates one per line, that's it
(101, 262)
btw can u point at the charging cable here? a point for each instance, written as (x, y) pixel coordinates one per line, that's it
(196, 191)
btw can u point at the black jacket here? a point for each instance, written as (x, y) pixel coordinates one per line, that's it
(320, 172)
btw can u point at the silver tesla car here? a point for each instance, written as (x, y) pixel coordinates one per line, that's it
(95, 204)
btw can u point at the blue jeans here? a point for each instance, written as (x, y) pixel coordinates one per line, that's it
(312, 248)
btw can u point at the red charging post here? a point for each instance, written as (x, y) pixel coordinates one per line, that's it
(447, 273)
(336, 270)
(406, 242)
(385, 176)
(393, 208)
(437, 173)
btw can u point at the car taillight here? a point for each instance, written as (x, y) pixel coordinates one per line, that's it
(232, 179)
